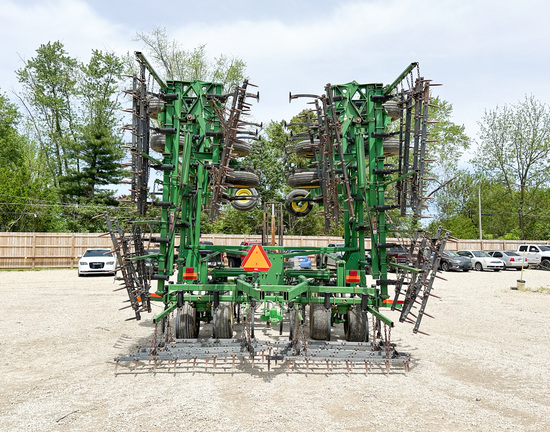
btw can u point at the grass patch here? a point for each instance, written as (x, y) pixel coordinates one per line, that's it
(543, 290)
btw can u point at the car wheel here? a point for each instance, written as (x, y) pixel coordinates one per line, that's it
(478, 266)
(445, 266)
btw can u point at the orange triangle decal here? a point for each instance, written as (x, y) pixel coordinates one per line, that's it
(256, 259)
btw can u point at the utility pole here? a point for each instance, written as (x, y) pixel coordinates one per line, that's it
(479, 212)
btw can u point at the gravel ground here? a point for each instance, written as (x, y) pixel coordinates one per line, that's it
(484, 367)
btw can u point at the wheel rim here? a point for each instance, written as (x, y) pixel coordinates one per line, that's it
(244, 193)
(299, 206)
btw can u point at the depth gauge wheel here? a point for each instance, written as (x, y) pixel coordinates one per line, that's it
(305, 148)
(242, 179)
(305, 179)
(295, 206)
(248, 201)
(187, 326)
(241, 149)
(223, 321)
(357, 325)
(318, 321)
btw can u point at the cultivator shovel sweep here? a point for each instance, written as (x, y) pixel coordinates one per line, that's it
(363, 151)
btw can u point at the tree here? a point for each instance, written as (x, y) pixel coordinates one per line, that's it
(514, 149)
(98, 147)
(176, 63)
(49, 82)
(271, 162)
(448, 141)
(25, 197)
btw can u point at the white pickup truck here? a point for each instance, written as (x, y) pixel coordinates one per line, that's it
(535, 254)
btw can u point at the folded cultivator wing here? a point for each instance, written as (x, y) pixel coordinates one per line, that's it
(363, 148)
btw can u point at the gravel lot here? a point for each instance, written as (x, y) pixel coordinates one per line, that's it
(484, 367)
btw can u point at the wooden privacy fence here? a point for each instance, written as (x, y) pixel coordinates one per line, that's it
(31, 250)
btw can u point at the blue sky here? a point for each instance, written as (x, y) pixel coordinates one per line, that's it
(485, 53)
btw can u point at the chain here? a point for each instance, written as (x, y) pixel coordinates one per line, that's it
(246, 334)
(154, 341)
(168, 330)
(293, 319)
(387, 336)
(301, 327)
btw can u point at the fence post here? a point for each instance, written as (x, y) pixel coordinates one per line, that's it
(72, 250)
(33, 258)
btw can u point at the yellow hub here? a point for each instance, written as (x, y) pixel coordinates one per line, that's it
(244, 193)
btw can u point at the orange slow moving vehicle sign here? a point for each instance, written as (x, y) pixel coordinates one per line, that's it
(256, 259)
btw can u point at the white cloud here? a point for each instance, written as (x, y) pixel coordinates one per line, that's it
(24, 27)
(484, 52)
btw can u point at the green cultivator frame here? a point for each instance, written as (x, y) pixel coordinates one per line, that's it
(364, 154)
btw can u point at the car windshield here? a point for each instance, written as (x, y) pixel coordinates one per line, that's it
(514, 254)
(544, 248)
(451, 253)
(97, 253)
(480, 254)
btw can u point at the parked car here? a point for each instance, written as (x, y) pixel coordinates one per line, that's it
(482, 260)
(450, 260)
(511, 259)
(97, 261)
(301, 261)
(535, 254)
(397, 255)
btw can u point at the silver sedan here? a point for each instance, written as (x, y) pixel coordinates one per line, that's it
(511, 259)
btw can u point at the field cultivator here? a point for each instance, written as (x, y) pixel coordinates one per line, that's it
(364, 153)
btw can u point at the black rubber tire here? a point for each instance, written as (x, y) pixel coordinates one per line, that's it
(223, 321)
(318, 262)
(356, 328)
(305, 148)
(392, 109)
(479, 266)
(157, 142)
(298, 208)
(242, 179)
(318, 321)
(241, 149)
(445, 266)
(155, 107)
(545, 263)
(234, 262)
(186, 322)
(292, 324)
(391, 146)
(249, 201)
(305, 179)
